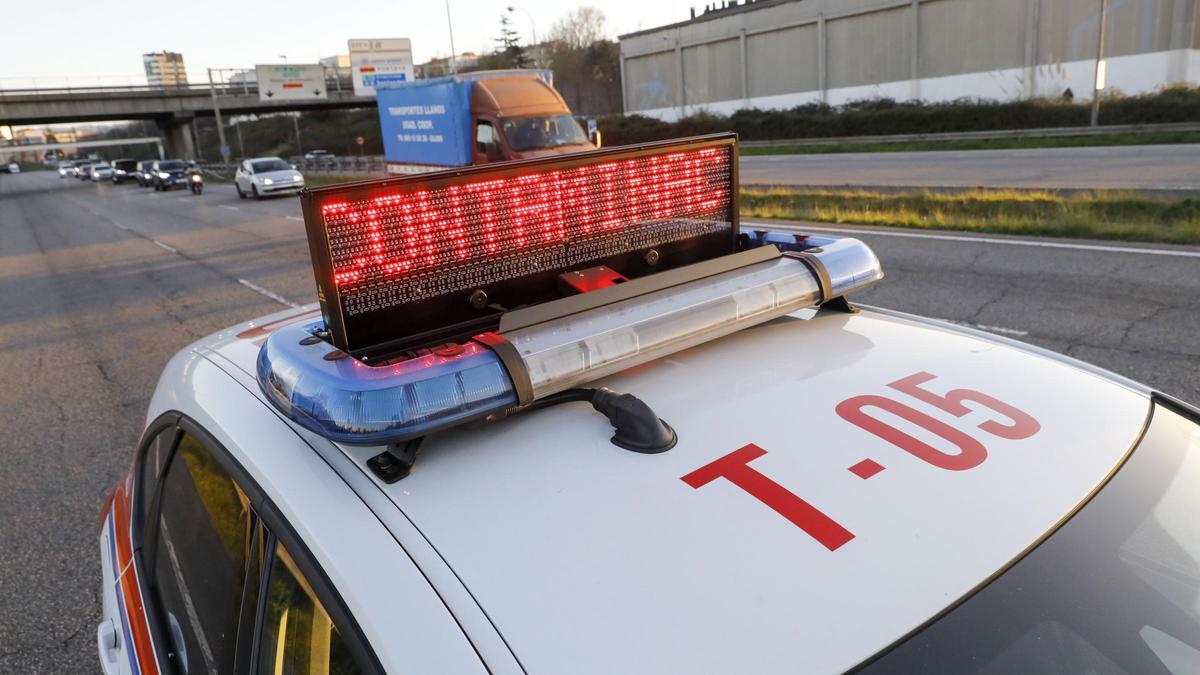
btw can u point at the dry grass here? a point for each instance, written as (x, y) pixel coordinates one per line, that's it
(1094, 215)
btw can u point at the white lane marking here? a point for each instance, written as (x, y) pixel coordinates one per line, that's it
(982, 240)
(231, 208)
(1001, 330)
(122, 227)
(168, 249)
(270, 294)
(294, 218)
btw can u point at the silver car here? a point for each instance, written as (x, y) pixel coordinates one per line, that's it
(266, 176)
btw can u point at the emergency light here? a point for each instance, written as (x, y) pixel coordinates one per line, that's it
(407, 346)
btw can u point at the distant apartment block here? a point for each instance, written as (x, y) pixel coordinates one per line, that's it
(165, 69)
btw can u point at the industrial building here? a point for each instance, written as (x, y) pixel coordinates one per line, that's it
(784, 53)
(165, 69)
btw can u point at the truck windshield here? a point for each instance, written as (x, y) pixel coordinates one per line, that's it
(1115, 590)
(540, 132)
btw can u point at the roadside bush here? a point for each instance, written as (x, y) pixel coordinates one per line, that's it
(886, 116)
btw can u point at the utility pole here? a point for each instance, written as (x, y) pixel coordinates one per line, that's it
(1098, 82)
(450, 25)
(223, 150)
(241, 147)
(296, 126)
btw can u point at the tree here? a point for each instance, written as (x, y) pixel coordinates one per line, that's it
(586, 65)
(580, 28)
(510, 53)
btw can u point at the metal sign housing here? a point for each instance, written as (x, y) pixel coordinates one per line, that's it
(416, 261)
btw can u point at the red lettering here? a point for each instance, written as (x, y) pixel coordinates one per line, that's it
(972, 453)
(735, 469)
(1023, 425)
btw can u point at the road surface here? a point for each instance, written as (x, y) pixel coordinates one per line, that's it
(1137, 167)
(101, 284)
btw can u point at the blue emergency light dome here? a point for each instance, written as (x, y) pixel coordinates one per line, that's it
(349, 401)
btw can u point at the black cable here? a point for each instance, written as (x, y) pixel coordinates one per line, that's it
(637, 427)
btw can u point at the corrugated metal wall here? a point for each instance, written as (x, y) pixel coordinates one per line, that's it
(780, 48)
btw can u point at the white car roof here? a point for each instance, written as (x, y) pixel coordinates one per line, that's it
(589, 558)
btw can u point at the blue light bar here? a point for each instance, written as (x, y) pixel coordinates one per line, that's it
(348, 401)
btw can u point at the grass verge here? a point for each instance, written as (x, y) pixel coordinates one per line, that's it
(1141, 138)
(1094, 215)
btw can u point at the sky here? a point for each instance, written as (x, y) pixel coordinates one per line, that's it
(85, 40)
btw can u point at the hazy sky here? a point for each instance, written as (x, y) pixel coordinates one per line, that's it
(89, 38)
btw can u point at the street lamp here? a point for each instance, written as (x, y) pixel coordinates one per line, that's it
(532, 29)
(1098, 80)
(453, 54)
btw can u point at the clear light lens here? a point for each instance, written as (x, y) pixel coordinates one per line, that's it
(573, 350)
(350, 402)
(268, 181)
(297, 178)
(164, 175)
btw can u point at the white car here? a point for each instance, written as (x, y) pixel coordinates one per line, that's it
(788, 483)
(266, 176)
(13, 167)
(101, 171)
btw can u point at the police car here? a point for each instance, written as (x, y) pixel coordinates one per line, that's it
(565, 416)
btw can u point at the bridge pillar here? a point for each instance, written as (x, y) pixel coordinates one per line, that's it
(178, 134)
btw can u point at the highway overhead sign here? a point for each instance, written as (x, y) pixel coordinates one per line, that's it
(291, 82)
(369, 58)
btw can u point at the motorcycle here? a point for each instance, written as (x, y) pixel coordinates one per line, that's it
(196, 183)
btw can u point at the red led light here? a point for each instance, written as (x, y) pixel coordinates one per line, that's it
(421, 242)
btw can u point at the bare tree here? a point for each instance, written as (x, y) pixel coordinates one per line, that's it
(580, 28)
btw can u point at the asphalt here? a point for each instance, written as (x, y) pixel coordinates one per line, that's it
(1152, 168)
(101, 284)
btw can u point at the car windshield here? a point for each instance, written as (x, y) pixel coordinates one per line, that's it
(540, 132)
(171, 165)
(265, 165)
(1114, 590)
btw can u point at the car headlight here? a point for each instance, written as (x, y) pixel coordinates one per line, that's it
(297, 178)
(163, 176)
(268, 181)
(196, 178)
(120, 172)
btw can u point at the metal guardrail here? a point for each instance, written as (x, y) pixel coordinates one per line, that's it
(191, 89)
(349, 164)
(1050, 132)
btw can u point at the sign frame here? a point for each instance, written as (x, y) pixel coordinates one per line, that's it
(453, 316)
(378, 56)
(291, 82)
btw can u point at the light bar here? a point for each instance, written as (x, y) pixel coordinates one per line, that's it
(406, 262)
(580, 348)
(346, 400)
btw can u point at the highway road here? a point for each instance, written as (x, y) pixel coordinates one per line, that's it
(1138, 167)
(101, 284)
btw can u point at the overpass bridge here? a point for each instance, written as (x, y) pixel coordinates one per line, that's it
(171, 108)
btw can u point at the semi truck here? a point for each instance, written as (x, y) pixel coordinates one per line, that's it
(473, 118)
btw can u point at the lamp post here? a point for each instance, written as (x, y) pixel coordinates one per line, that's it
(223, 151)
(453, 53)
(532, 30)
(1098, 81)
